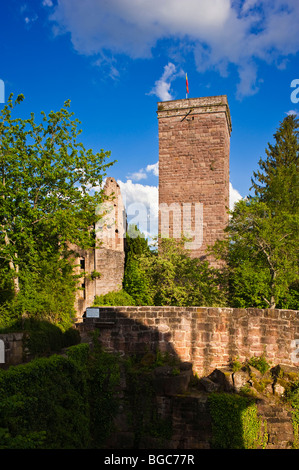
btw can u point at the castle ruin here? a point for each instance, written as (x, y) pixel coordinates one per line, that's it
(194, 145)
(103, 267)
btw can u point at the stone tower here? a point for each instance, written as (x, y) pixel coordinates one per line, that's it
(194, 144)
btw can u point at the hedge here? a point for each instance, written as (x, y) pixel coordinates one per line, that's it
(47, 403)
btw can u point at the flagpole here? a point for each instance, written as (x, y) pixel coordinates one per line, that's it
(187, 87)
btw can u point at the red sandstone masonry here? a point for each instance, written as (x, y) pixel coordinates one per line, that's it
(194, 143)
(109, 257)
(208, 337)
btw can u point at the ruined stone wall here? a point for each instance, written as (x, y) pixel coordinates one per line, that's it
(11, 349)
(110, 233)
(111, 266)
(207, 337)
(194, 143)
(108, 259)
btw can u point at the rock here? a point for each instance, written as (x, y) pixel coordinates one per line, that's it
(163, 371)
(240, 379)
(282, 376)
(254, 373)
(208, 385)
(276, 371)
(289, 373)
(186, 366)
(278, 389)
(121, 440)
(223, 378)
(170, 381)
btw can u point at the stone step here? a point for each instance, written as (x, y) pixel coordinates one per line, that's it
(279, 425)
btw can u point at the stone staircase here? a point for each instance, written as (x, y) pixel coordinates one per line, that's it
(279, 424)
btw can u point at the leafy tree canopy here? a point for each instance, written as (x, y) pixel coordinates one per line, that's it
(277, 180)
(46, 175)
(169, 276)
(262, 251)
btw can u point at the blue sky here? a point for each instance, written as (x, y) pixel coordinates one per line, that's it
(115, 59)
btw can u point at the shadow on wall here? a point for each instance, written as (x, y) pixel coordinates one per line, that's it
(32, 339)
(199, 416)
(207, 337)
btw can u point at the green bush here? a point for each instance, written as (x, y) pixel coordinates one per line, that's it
(33, 440)
(291, 396)
(43, 338)
(259, 363)
(47, 396)
(235, 422)
(59, 402)
(171, 277)
(114, 299)
(79, 353)
(10, 320)
(71, 337)
(47, 292)
(103, 382)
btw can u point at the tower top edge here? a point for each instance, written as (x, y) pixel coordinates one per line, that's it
(197, 99)
(201, 105)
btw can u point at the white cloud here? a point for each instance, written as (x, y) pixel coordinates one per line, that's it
(234, 196)
(153, 168)
(220, 32)
(248, 5)
(141, 202)
(47, 3)
(108, 62)
(31, 19)
(292, 112)
(138, 175)
(162, 86)
(143, 173)
(134, 26)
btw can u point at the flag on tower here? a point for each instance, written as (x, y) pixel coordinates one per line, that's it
(187, 85)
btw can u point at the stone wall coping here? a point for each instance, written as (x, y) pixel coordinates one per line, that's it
(251, 310)
(209, 104)
(18, 336)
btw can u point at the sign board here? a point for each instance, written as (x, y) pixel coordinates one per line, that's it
(2, 352)
(92, 312)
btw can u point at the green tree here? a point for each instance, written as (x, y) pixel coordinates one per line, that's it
(135, 282)
(179, 279)
(262, 250)
(46, 176)
(169, 276)
(261, 256)
(277, 181)
(136, 242)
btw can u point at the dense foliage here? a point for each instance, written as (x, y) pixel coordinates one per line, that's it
(46, 176)
(261, 252)
(59, 402)
(236, 424)
(169, 276)
(291, 396)
(114, 298)
(41, 338)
